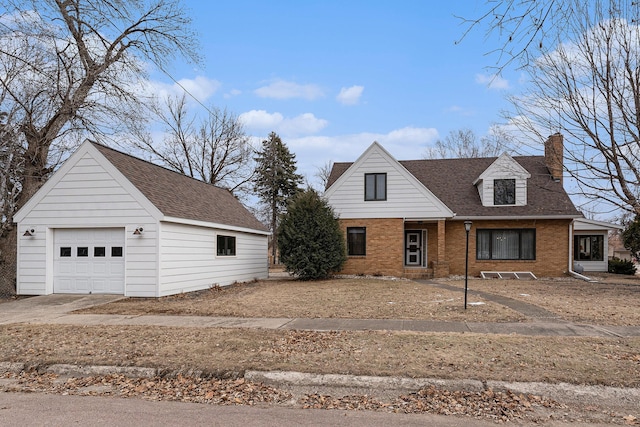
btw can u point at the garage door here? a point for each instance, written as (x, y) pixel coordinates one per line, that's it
(89, 261)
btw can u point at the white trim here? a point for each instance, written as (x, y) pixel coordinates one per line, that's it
(602, 225)
(214, 225)
(512, 217)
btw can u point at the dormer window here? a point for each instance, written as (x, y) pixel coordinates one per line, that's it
(504, 192)
(503, 183)
(375, 186)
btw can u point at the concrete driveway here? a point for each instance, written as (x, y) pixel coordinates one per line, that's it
(45, 308)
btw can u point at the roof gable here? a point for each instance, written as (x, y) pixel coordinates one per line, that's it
(86, 150)
(346, 188)
(504, 167)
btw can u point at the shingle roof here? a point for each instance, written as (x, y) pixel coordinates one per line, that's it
(179, 196)
(451, 180)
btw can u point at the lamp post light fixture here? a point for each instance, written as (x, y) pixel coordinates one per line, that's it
(467, 228)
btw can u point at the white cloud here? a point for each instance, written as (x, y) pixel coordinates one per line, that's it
(303, 124)
(281, 89)
(202, 88)
(492, 81)
(350, 95)
(260, 120)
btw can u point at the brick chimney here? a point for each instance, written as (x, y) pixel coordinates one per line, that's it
(553, 153)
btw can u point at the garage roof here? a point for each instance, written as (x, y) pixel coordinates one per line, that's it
(180, 196)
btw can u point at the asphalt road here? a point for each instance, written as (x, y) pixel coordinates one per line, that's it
(38, 409)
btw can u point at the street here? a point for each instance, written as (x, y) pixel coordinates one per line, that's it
(37, 409)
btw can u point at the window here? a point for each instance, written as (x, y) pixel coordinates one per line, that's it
(83, 251)
(65, 252)
(588, 248)
(506, 244)
(99, 251)
(356, 241)
(226, 245)
(116, 251)
(504, 191)
(375, 186)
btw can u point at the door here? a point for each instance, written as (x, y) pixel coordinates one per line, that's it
(413, 248)
(89, 261)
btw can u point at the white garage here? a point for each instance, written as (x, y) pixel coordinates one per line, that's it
(88, 261)
(110, 223)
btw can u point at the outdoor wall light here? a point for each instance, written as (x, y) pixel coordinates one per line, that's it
(138, 231)
(30, 232)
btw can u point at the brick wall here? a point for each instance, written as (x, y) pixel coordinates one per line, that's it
(385, 242)
(385, 248)
(552, 248)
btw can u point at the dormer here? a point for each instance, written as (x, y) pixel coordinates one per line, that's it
(503, 183)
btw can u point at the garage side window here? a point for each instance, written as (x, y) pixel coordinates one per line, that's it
(226, 245)
(65, 252)
(99, 251)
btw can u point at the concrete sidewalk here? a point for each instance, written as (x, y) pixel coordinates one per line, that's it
(57, 309)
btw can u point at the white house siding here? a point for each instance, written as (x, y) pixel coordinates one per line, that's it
(86, 196)
(405, 197)
(189, 262)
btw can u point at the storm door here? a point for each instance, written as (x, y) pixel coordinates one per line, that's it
(413, 248)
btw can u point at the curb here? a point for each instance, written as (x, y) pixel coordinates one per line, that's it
(371, 384)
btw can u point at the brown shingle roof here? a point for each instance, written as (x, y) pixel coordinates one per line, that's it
(451, 180)
(179, 196)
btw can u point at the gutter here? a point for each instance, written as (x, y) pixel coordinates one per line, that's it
(570, 269)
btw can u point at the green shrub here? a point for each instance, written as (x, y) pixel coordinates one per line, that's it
(621, 266)
(310, 240)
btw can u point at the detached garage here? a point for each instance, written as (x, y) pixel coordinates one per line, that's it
(107, 222)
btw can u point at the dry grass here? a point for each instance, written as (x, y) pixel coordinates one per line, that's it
(339, 298)
(606, 361)
(614, 301)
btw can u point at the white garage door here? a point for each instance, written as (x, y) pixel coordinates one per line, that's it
(89, 261)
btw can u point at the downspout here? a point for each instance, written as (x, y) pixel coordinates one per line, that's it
(570, 270)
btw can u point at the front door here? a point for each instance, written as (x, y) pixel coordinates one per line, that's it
(413, 248)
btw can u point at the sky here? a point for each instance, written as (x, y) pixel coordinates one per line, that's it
(331, 77)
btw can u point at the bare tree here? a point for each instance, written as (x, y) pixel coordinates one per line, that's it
(463, 143)
(322, 173)
(70, 70)
(588, 88)
(215, 150)
(523, 28)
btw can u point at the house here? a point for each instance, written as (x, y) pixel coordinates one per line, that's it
(407, 218)
(107, 222)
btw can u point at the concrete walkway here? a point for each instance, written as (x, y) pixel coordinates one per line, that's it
(57, 309)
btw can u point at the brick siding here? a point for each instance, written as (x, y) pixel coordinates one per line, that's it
(385, 248)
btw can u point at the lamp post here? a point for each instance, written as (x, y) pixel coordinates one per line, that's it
(467, 228)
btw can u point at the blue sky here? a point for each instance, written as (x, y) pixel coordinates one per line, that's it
(330, 77)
